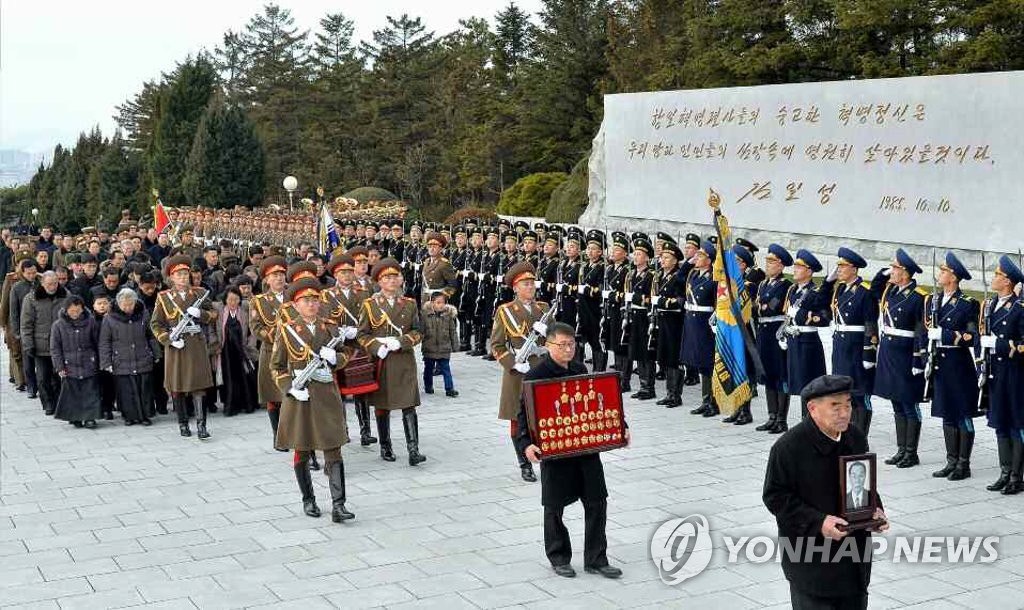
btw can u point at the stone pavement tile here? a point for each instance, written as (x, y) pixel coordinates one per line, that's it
(59, 541)
(89, 567)
(932, 605)
(918, 589)
(123, 532)
(457, 562)
(442, 602)
(234, 546)
(527, 571)
(105, 549)
(639, 594)
(204, 567)
(511, 554)
(153, 558)
(157, 590)
(387, 574)
(277, 540)
(994, 598)
(326, 564)
(12, 547)
(318, 602)
(585, 601)
(398, 554)
(26, 530)
(279, 556)
(773, 592)
(115, 598)
(504, 595)
(31, 560)
(85, 525)
(441, 584)
(172, 604)
(127, 579)
(20, 576)
(152, 516)
(373, 597)
(319, 585)
(478, 542)
(235, 598)
(173, 541)
(20, 594)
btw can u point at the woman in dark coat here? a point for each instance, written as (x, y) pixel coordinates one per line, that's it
(129, 351)
(73, 349)
(236, 354)
(100, 309)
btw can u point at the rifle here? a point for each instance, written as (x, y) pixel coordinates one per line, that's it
(627, 283)
(497, 286)
(929, 365)
(652, 315)
(315, 367)
(985, 360)
(605, 294)
(530, 345)
(479, 284)
(462, 284)
(187, 323)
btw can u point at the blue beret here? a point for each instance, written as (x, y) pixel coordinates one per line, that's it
(851, 257)
(805, 259)
(903, 260)
(1010, 269)
(780, 253)
(743, 254)
(954, 266)
(708, 248)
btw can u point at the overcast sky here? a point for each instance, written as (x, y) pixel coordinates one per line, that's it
(65, 65)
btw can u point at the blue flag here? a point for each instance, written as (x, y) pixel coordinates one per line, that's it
(327, 237)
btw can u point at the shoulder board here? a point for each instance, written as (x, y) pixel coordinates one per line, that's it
(921, 291)
(966, 297)
(444, 260)
(543, 305)
(865, 284)
(405, 299)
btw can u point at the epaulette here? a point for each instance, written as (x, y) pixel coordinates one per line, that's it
(405, 299)
(865, 284)
(443, 259)
(921, 291)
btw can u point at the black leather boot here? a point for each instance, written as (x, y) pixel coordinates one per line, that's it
(464, 336)
(963, 462)
(182, 412)
(949, 435)
(782, 417)
(1005, 447)
(275, 417)
(201, 411)
(664, 402)
(363, 415)
(770, 398)
(705, 396)
(1015, 485)
(478, 341)
(600, 362)
(901, 441)
(384, 432)
(336, 481)
(744, 417)
(913, 437)
(690, 376)
(731, 419)
(675, 388)
(626, 373)
(412, 436)
(305, 482)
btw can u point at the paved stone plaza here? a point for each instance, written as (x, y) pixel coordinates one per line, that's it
(125, 517)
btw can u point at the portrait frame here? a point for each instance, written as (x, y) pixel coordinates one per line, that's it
(860, 518)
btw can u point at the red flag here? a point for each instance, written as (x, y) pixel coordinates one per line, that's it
(160, 220)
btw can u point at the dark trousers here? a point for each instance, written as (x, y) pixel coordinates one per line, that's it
(805, 601)
(47, 382)
(28, 366)
(595, 543)
(445, 365)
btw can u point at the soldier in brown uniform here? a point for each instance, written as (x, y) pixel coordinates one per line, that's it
(361, 256)
(389, 327)
(312, 417)
(263, 310)
(186, 362)
(341, 305)
(15, 359)
(438, 273)
(512, 325)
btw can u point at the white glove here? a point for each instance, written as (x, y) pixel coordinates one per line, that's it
(783, 345)
(466, 272)
(541, 328)
(714, 329)
(659, 301)
(522, 367)
(581, 288)
(988, 341)
(329, 355)
(867, 365)
(178, 343)
(558, 288)
(194, 312)
(299, 395)
(416, 267)
(934, 334)
(916, 371)
(350, 332)
(393, 344)
(833, 275)
(382, 352)
(792, 313)
(605, 294)
(629, 297)
(499, 278)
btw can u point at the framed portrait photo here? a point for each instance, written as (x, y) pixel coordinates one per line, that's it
(858, 490)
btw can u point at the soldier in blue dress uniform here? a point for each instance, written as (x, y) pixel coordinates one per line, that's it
(616, 323)
(547, 267)
(769, 314)
(568, 312)
(1002, 347)
(952, 319)
(638, 300)
(855, 342)
(668, 304)
(698, 347)
(752, 277)
(588, 302)
(900, 373)
(807, 310)
(690, 247)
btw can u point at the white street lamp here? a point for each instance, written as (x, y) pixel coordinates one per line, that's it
(290, 184)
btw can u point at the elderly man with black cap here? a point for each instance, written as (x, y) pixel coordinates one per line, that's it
(952, 320)
(855, 342)
(801, 488)
(901, 350)
(1002, 348)
(806, 311)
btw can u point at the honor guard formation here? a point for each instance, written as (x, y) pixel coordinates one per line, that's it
(235, 311)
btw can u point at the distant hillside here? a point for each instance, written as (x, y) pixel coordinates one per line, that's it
(17, 166)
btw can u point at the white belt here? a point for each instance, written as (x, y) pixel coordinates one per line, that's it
(638, 307)
(847, 328)
(770, 319)
(699, 308)
(804, 329)
(898, 332)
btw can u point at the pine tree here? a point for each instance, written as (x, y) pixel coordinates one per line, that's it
(181, 106)
(225, 165)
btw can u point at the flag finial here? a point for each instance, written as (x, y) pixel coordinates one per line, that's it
(714, 200)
